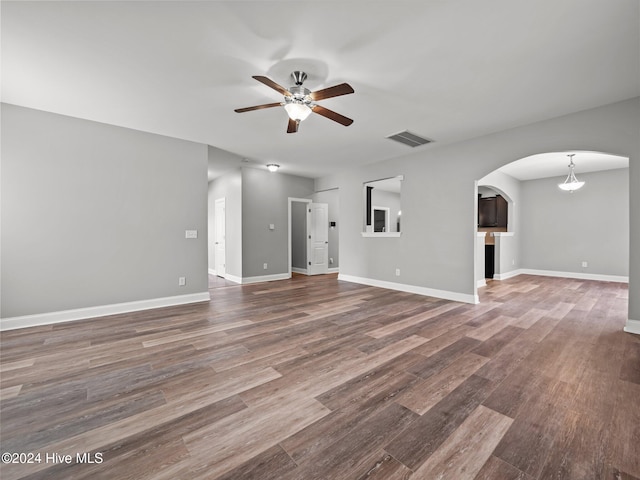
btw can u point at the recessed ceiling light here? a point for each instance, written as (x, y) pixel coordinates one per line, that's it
(273, 167)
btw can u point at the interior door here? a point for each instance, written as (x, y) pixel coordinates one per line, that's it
(318, 246)
(220, 231)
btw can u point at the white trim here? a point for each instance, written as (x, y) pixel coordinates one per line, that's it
(481, 283)
(552, 273)
(387, 217)
(290, 200)
(632, 326)
(233, 278)
(578, 275)
(507, 275)
(503, 234)
(24, 321)
(304, 271)
(212, 271)
(380, 234)
(265, 278)
(429, 292)
(223, 263)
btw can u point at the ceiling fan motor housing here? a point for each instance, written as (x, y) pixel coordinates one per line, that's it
(299, 92)
(299, 95)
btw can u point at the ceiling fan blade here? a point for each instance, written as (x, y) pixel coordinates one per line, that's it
(270, 83)
(335, 91)
(257, 107)
(293, 126)
(331, 115)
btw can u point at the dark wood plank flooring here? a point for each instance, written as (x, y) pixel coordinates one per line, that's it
(313, 378)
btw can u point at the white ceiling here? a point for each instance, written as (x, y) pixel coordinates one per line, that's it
(445, 69)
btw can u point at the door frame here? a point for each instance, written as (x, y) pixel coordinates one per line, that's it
(218, 201)
(290, 201)
(317, 233)
(387, 217)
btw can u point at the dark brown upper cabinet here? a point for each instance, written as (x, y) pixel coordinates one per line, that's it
(492, 212)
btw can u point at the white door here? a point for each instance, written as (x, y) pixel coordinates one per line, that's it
(318, 242)
(220, 252)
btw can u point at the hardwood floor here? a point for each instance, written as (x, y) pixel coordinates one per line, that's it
(313, 378)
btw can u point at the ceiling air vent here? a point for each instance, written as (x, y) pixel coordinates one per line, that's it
(409, 138)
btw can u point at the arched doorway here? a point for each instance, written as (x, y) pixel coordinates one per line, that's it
(556, 233)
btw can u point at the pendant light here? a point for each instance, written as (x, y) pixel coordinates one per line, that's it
(571, 184)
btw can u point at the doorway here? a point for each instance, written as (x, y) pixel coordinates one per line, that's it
(552, 232)
(308, 237)
(318, 238)
(220, 253)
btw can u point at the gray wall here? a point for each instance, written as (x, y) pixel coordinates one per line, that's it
(332, 199)
(560, 229)
(299, 235)
(229, 187)
(95, 215)
(437, 245)
(265, 200)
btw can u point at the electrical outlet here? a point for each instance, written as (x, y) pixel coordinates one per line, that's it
(182, 281)
(585, 264)
(331, 261)
(264, 266)
(397, 272)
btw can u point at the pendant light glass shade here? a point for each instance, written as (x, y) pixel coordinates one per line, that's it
(571, 184)
(297, 111)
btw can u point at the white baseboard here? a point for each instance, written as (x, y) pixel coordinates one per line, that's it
(304, 271)
(212, 271)
(429, 292)
(265, 278)
(632, 326)
(577, 275)
(232, 278)
(506, 275)
(481, 283)
(12, 323)
(262, 278)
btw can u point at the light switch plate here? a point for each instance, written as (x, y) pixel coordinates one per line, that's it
(191, 234)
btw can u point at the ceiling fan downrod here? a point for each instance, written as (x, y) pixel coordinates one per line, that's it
(298, 77)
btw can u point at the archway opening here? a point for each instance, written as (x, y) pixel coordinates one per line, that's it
(552, 232)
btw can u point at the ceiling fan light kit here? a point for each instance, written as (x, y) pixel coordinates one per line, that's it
(299, 102)
(297, 110)
(571, 184)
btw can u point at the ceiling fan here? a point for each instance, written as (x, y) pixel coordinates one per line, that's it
(299, 102)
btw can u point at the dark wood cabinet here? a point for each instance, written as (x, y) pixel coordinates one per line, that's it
(492, 212)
